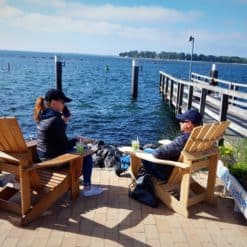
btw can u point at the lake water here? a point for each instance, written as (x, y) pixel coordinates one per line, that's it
(102, 107)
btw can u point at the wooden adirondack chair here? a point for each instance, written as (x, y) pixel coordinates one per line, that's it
(181, 191)
(40, 185)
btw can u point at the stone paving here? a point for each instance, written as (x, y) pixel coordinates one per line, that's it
(113, 219)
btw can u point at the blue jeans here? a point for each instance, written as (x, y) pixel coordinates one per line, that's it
(161, 172)
(86, 169)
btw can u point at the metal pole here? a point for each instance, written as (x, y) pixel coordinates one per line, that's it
(191, 39)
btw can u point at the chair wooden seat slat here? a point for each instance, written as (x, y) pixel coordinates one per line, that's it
(200, 151)
(40, 184)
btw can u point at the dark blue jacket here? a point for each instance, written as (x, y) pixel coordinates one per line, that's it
(51, 135)
(172, 150)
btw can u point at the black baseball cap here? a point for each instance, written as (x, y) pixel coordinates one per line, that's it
(191, 115)
(54, 94)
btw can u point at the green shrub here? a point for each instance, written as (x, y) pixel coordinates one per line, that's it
(239, 168)
(240, 151)
(226, 155)
(239, 171)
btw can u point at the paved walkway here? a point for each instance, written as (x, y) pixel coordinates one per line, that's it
(113, 219)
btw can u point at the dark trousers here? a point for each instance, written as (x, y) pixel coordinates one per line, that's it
(161, 172)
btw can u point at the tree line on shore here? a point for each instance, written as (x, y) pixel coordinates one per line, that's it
(183, 56)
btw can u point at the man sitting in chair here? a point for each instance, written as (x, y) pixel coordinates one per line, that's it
(188, 121)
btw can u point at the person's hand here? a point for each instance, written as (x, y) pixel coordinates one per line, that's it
(66, 114)
(65, 119)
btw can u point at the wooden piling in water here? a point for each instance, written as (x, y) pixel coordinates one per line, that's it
(58, 73)
(134, 81)
(214, 74)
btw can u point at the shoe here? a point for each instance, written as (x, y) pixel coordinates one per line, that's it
(119, 171)
(93, 191)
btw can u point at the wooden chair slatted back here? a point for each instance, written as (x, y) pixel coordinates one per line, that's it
(201, 139)
(204, 137)
(11, 137)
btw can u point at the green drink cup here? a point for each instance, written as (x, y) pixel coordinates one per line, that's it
(79, 147)
(135, 145)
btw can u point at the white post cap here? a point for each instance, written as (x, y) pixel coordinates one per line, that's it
(134, 63)
(57, 59)
(213, 67)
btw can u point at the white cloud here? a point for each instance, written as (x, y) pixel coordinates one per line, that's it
(2, 2)
(105, 19)
(9, 12)
(139, 14)
(112, 13)
(50, 3)
(154, 27)
(36, 22)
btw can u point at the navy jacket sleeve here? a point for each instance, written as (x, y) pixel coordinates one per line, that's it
(172, 150)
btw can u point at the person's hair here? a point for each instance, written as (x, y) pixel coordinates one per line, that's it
(38, 108)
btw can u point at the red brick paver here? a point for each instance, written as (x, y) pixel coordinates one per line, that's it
(113, 219)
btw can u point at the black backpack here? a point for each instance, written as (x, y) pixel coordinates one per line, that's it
(142, 189)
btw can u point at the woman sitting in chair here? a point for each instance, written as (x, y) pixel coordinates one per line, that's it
(188, 121)
(51, 116)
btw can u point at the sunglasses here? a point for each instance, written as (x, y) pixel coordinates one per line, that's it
(183, 121)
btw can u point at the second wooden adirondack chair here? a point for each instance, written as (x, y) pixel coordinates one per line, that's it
(181, 191)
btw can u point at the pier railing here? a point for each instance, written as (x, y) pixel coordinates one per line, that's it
(219, 82)
(220, 103)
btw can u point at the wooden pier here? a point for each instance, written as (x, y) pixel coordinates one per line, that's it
(222, 102)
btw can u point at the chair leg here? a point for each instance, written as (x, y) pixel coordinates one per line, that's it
(25, 190)
(75, 172)
(170, 201)
(135, 165)
(184, 191)
(211, 179)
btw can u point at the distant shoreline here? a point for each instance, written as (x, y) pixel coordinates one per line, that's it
(183, 57)
(244, 62)
(178, 60)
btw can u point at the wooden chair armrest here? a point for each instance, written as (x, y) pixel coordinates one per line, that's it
(15, 157)
(31, 144)
(164, 141)
(149, 157)
(202, 154)
(65, 158)
(4, 157)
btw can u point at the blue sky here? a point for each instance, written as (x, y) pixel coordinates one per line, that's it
(110, 27)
